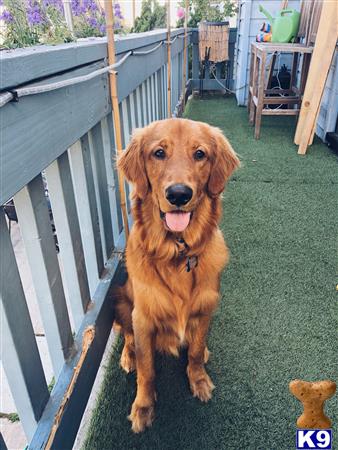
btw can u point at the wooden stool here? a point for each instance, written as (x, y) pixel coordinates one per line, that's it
(259, 93)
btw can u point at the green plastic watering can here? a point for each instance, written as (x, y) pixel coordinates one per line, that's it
(284, 26)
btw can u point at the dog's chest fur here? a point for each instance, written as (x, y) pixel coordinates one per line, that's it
(178, 311)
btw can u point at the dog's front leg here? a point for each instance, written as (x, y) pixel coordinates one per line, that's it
(200, 383)
(142, 411)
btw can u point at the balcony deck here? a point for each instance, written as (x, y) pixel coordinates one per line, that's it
(277, 316)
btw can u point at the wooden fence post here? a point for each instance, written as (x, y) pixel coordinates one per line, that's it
(115, 106)
(169, 59)
(184, 80)
(319, 68)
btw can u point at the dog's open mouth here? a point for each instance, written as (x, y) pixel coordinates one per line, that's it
(176, 220)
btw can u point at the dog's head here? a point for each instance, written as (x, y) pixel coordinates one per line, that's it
(178, 162)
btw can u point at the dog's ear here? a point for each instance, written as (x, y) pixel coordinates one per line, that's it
(225, 161)
(131, 163)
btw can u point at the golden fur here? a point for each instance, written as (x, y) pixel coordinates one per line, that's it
(162, 306)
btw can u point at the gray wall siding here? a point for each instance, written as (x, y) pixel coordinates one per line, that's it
(328, 112)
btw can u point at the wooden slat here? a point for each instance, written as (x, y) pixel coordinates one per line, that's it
(107, 141)
(156, 95)
(159, 96)
(100, 316)
(133, 112)
(32, 211)
(125, 123)
(149, 100)
(164, 88)
(102, 183)
(95, 146)
(138, 111)
(115, 174)
(61, 192)
(125, 131)
(32, 63)
(37, 129)
(84, 213)
(19, 351)
(153, 98)
(280, 112)
(143, 104)
(86, 152)
(319, 67)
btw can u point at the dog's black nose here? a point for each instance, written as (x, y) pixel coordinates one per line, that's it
(178, 194)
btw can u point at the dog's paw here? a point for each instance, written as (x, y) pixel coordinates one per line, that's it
(128, 361)
(141, 417)
(201, 386)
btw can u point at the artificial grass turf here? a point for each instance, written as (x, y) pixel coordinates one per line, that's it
(277, 318)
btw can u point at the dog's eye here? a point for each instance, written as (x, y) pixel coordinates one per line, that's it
(159, 153)
(199, 154)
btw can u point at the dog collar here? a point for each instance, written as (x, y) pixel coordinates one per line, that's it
(191, 261)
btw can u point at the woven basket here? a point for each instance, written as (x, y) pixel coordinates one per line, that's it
(216, 36)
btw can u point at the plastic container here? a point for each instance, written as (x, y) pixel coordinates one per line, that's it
(284, 26)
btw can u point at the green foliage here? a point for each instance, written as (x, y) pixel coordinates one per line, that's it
(12, 417)
(153, 15)
(208, 10)
(51, 385)
(33, 22)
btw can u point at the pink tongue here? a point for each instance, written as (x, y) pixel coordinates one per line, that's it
(177, 221)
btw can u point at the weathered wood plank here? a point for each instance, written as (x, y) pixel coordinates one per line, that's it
(84, 213)
(61, 192)
(138, 113)
(21, 66)
(133, 112)
(36, 231)
(97, 151)
(96, 183)
(149, 105)
(37, 129)
(87, 159)
(159, 94)
(100, 316)
(144, 103)
(107, 142)
(19, 351)
(115, 174)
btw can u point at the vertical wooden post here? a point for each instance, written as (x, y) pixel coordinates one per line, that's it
(115, 106)
(169, 59)
(184, 79)
(134, 11)
(319, 68)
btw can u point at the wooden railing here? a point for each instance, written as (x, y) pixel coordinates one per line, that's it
(57, 164)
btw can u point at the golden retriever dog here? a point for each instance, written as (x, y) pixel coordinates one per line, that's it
(175, 252)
